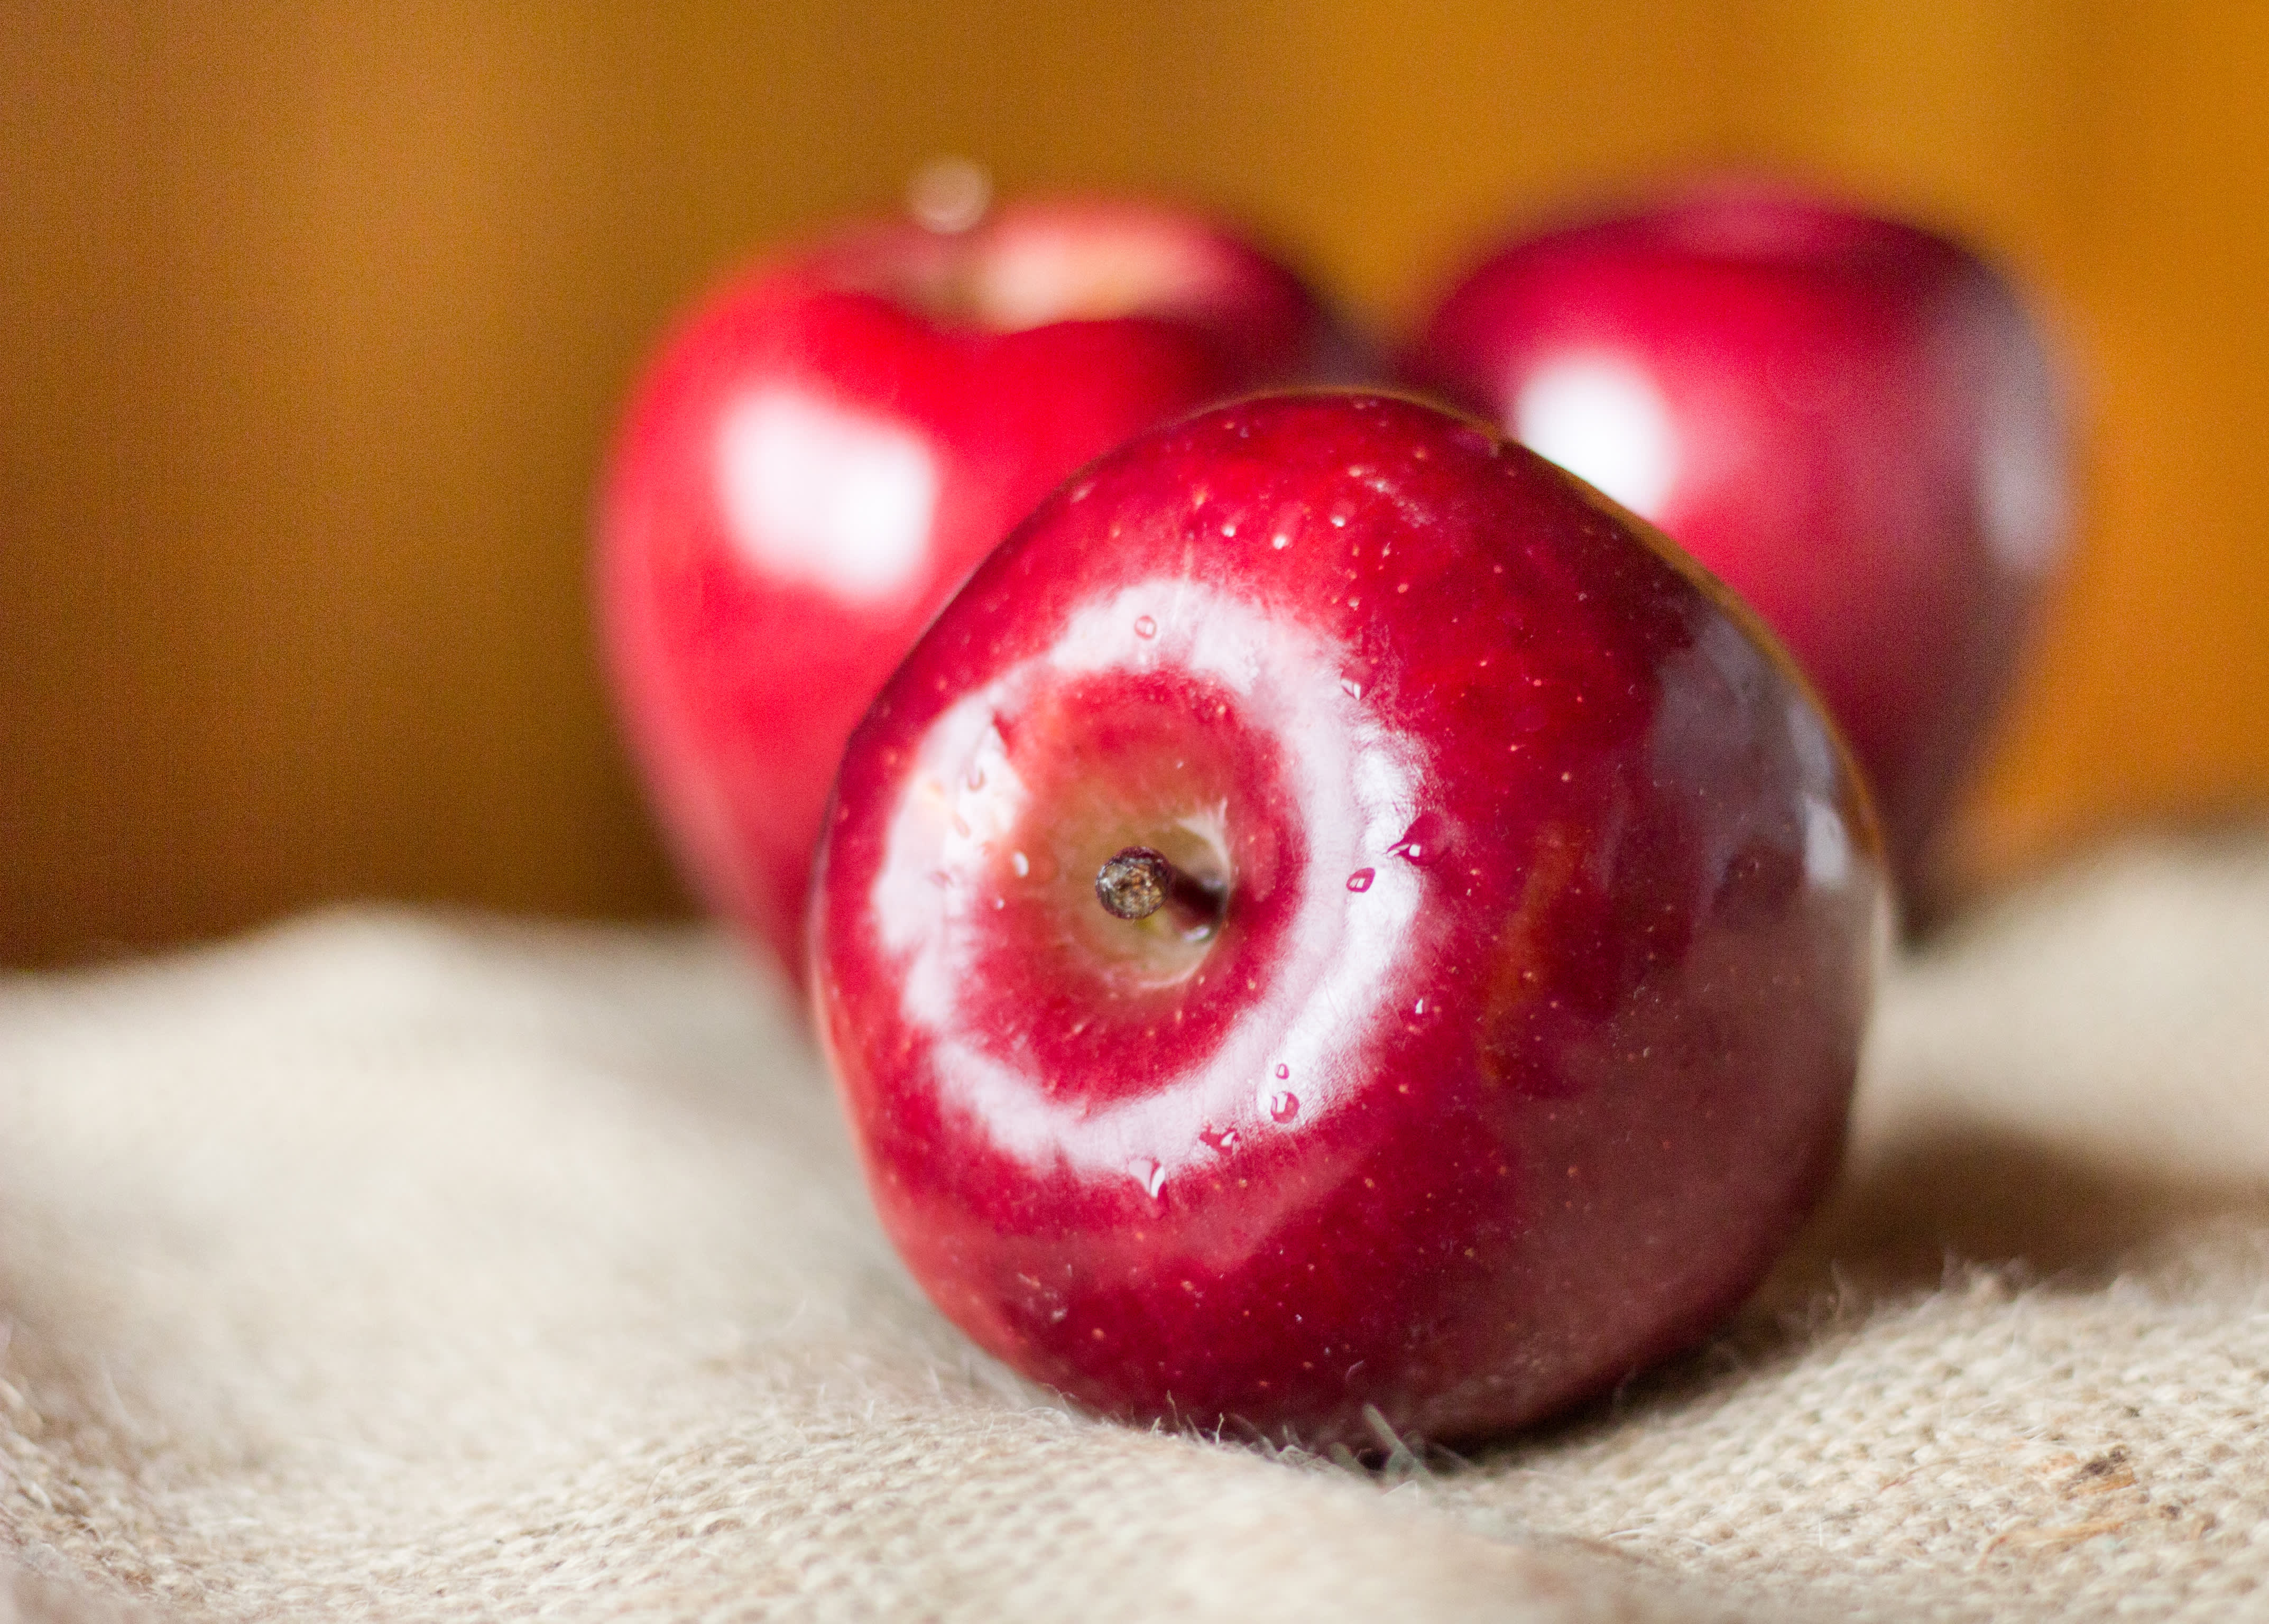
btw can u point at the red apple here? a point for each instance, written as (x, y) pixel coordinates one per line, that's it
(1515, 911)
(821, 453)
(1850, 420)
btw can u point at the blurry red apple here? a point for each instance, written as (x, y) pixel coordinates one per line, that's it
(823, 450)
(1850, 420)
(1336, 915)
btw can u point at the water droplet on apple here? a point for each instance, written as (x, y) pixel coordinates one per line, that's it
(1284, 1071)
(1150, 1176)
(1422, 843)
(1146, 627)
(1022, 864)
(1361, 879)
(1218, 1139)
(1283, 1105)
(976, 779)
(1281, 540)
(1351, 688)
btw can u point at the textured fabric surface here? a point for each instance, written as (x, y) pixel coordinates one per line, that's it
(408, 1267)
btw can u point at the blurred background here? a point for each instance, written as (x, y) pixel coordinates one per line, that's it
(313, 317)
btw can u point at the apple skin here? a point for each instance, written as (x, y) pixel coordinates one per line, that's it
(821, 452)
(1851, 421)
(1529, 1030)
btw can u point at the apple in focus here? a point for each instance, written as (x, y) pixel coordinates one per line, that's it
(1852, 421)
(1335, 914)
(823, 451)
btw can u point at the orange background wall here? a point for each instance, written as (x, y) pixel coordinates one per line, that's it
(312, 318)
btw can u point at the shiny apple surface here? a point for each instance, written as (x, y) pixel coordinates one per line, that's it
(1852, 421)
(1525, 1028)
(819, 455)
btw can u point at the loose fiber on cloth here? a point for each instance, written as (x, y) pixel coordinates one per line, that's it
(397, 1266)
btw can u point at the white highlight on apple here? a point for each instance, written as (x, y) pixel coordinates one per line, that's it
(1036, 272)
(1828, 854)
(2020, 487)
(1603, 420)
(820, 495)
(1355, 784)
(1827, 845)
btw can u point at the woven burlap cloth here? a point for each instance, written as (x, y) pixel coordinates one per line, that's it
(405, 1266)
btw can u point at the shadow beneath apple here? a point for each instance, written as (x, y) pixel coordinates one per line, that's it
(1936, 1210)
(1915, 1214)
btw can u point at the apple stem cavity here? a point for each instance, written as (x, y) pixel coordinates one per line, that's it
(1141, 881)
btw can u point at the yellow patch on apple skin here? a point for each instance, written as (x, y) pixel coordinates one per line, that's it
(1513, 984)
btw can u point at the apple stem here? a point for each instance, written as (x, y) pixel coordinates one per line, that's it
(1139, 880)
